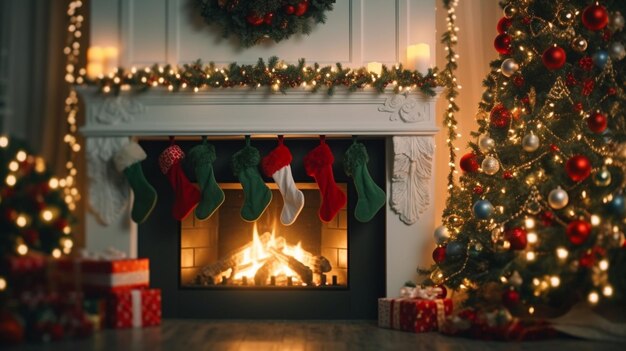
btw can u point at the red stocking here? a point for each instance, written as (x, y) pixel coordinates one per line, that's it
(186, 196)
(319, 165)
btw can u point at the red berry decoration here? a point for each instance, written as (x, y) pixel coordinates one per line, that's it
(578, 168)
(587, 259)
(597, 122)
(504, 24)
(469, 163)
(578, 231)
(444, 292)
(478, 190)
(502, 43)
(578, 107)
(519, 81)
(269, 17)
(500, 116)
(595, 17)
(289, 9)
(554, 148)
(554, 57)
(547, 217)
(507, 175)
(439, 254)
(254, 19)
(301, 8)
(517, 238)
(510, 298)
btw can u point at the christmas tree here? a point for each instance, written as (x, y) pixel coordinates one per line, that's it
(538, 217)
(34, 208)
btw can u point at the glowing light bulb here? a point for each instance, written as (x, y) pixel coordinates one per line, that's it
(562, 253)
(22, 249)
(53, 183)
(530, 256)
(21, 156)
(13, 166)
(532, 237)
(3, 284)
(4, 141)
(593, 297)
(56, 253)
(21, 221)
(46, 215)
(604, 265)
(595, 220)
(67, 230)
(607, 291)
(555, 281)
(530, 223)
(11, 180)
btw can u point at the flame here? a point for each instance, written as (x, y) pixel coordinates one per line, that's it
(255, 256)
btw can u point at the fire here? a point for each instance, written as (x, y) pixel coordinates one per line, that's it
(264, 248)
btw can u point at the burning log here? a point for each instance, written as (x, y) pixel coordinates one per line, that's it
(320, 264)
(305, 273)
(262, 274)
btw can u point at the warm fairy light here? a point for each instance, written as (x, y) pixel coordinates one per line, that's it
(21, 221)
(4, 141)
(562, 253)
(22, 249)
(21, 156)
(53, 183)
(530, 223)
(47, 215)
(593, 297)
(536, 282)
(530, 256)
(14, 166)
(555, 281)
(532, 237)
(595, 220)
(67, 230)
(531, 310)
(604, 264)
(68, 243)
(3, 284)
(607, 291)
(56, 253)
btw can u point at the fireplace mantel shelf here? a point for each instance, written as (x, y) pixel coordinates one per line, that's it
(158, 112)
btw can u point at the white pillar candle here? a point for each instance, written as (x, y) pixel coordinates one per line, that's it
(375, 67)
(95, 62)
(110, 59)
(418, 57)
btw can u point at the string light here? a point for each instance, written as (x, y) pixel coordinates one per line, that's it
(3, 284)
(22, 249)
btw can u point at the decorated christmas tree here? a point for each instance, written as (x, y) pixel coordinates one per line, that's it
(537, 220)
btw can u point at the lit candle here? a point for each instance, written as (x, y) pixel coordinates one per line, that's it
(95, 65)
(418, 57)
(110, 59)
(375, 67)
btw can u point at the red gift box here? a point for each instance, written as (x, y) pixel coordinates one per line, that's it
(414, 315)
(104, 276)
(29, 263)
(134, 308)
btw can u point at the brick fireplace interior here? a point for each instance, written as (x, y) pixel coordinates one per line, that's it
(179, 251)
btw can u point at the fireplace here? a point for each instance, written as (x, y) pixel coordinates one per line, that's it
(179, 251)
(226, 251)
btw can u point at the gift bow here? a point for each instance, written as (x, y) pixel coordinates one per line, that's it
(109, 254)
(419, 292)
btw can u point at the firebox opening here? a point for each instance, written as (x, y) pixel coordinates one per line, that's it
(226, 251)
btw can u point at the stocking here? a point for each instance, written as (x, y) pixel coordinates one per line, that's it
(186, 196)
(277, 165)
(128, 161)
(257, 196)
(319, 165)
(202, 156)
(370, 196)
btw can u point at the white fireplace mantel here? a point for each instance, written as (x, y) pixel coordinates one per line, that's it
(407, 120)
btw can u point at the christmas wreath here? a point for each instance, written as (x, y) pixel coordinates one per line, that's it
(255, 21)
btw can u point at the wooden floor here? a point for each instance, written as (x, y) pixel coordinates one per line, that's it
(192, 335)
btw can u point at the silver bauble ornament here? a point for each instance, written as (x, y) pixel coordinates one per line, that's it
(566, 15)
(510, 11)
(602, 177)
(616, 21)
(486, 144)
(579, 44)
(558, 198)
(509, 67)
(530, 142)
(490, 165)
(515, 279)
(441, 235)
(617, 51)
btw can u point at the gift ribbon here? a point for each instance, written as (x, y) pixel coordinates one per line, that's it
(418, 292)
(109, 254)
(135, 298)
(441, 313)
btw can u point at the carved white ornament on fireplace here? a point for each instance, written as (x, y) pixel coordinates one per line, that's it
(405, 120)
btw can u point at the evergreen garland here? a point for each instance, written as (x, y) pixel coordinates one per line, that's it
(255, 21)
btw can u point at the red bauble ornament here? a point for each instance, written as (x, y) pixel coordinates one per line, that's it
(547, 217)
(517, 238)
(478, 190)
(301, 8)
(510, 298)
(554, 57)
(595, 17)
(269, 17)
(597, 122)
(289, 9)
(519, 81)
(587, 259)
(578, 107)
(554, 148)
(503, 25)
(502, 43)
(586, 63)
(439, 254)
(254, 19)
(578, 231)
(578, 168)
(444, 292)
(611, 91)
(507, 175)
(500, 116)
(469, 163)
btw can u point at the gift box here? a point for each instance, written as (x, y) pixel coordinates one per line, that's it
(102, 276)
(134, 308)
(29, 263)
(413, 315)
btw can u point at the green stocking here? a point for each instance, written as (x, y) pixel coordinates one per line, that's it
(202, 156)
(128, 161)
(370, 196)
(257, 196)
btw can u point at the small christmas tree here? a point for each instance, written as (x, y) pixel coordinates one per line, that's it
(34, 213)
(538, 218)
